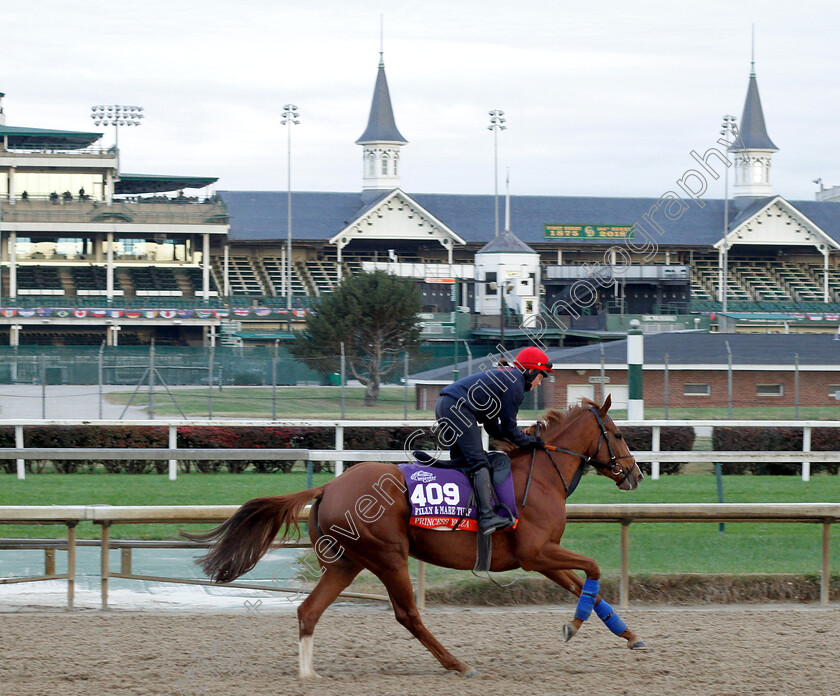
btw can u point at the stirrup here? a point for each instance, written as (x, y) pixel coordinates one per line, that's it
(497, 523)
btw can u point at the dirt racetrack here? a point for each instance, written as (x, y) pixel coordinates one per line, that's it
(361, 650)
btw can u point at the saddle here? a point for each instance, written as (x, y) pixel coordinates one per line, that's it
(499, 464)
(502, 484)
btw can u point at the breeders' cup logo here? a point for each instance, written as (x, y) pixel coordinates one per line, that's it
(423, 476)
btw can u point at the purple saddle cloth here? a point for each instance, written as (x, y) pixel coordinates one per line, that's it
(440, 498)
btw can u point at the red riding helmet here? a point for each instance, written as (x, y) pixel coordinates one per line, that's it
(532, 358)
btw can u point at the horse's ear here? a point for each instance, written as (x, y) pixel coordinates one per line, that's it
(606, 405)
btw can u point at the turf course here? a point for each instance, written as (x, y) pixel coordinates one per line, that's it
(654, 548)
(325, 402)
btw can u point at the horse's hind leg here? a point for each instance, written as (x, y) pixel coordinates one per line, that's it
(336, 577)
(398, 583)
(572, 582)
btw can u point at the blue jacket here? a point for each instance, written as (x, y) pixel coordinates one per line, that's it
(494, 397)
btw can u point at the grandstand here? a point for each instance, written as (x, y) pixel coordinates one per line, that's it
(147, 264)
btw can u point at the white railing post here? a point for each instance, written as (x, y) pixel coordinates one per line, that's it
(173, 444)
(339, 447)
(654, 466)
(806, 447)
(21, 468)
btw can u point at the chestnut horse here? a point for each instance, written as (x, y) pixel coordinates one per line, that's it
(361, 520)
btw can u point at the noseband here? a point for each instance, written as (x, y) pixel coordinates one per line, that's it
(612, 466)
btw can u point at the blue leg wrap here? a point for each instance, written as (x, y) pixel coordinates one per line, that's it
(587, 599)
(610, 618)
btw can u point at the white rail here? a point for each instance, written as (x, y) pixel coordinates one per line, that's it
(339, 455)
(825, 514)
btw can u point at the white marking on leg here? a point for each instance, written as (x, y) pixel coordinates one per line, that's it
(305, 654)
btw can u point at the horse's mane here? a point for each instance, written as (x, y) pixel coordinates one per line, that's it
(554, 421)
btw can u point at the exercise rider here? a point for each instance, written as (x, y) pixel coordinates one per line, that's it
(492, 399)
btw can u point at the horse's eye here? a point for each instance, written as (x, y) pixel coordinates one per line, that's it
(618, 436)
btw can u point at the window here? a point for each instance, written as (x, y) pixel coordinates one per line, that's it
(769, 390)
(832, 391)
(490, 278)
(758, 171)
(697, 389)
(384, 164)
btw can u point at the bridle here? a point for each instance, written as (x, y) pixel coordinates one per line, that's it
(612, 466)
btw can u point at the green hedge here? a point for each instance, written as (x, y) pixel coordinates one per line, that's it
(193, 437)
(672, 438)
(778, 440)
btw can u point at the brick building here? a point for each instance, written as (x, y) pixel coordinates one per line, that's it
(767, 370)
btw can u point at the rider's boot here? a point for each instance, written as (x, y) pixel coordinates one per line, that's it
(488, 520)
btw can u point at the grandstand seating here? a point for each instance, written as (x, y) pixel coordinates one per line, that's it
(758, 282)
(275, 270)
(323, 274)
(39, 280)
(154, 280)
(195, 280)
(91, 280)
(705, 273)
(242, 276)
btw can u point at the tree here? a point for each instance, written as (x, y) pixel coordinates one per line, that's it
(375, 316)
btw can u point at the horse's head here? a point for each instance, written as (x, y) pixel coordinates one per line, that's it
(612, 457)
(596, 440)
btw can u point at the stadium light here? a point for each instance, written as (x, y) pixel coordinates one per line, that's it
(290, 118)
(727, 128)
(116, 115)
(496, 125)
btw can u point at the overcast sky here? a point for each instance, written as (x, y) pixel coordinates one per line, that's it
(604, 98)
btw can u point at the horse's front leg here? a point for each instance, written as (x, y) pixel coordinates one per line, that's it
(557, 564)
(572, 582)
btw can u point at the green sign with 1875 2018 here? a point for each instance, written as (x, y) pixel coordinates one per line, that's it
(589, 231)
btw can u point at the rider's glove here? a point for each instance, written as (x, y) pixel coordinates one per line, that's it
(535, 443)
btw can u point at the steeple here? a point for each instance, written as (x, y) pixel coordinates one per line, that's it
(381, 142)
(753, 149)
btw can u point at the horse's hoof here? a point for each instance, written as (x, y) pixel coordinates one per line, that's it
(470, 673)
(638, 645)
(568, 632)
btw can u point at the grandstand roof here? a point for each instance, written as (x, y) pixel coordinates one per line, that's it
(159, 183)
(753, 131)
(320, 215)
(381, 125)
(692, 348)
(21, 137)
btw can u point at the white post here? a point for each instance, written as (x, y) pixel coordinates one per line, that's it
(13, 265)
(339, 447)
(654, 466)
(825, 276)
(227, 271)
(173, 444)
(205, 266)
(109, 266)
(635, 360)
(806, 447)
(21, 469)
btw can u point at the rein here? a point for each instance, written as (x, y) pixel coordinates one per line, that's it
(612, 466)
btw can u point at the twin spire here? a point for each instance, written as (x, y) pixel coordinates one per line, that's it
(381, 141)
(753, 148)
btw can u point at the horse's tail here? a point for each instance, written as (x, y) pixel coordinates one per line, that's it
(240, 541)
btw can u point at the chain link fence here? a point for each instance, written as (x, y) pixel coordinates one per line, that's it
(260, 382)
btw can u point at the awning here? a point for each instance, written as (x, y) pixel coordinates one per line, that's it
(133, 184)
(19, 138)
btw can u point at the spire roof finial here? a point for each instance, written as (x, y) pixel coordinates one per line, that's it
(752, 53)
(381, 125)
(381, 41)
